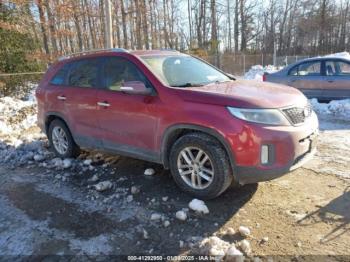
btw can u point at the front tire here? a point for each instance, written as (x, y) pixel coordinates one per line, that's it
(61, 140)
(200, 165)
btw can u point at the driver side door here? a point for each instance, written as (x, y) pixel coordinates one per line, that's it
(128, 121)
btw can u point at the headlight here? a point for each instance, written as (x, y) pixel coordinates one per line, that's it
(262, 116)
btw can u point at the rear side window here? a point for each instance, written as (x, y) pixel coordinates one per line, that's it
(118, 70)
(60, 76)
(342, 68)
(337, 68)
(312, 68)
(84, 73)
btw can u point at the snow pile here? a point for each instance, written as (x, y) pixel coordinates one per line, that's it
(20, 140)
(335, 108)
(16, 116)
(221, 249)
(198, 206)
(256, 72)
(344, 55)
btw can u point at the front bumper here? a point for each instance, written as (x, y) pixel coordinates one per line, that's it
(249, 175)
(293, 147)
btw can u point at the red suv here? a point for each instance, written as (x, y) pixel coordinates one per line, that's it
(166, 107)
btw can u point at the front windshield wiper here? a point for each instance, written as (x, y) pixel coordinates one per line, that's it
(188, 85)
(223, 81)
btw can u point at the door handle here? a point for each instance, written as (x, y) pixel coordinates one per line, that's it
(330, 81)
(293, 80)
(61, 98)
(104, 104)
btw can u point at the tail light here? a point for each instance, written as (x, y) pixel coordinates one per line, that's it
(264, 77)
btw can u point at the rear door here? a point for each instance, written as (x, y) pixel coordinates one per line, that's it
(307, 78)
(80, 100)
(337, 79)
(129, 121)
(51, 101)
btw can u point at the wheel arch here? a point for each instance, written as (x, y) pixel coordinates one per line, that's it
(50, 116)
(174, 132)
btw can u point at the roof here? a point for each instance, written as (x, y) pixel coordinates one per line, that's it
(165, 52)
(161, 52)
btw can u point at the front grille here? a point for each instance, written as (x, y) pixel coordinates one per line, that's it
(298, 115)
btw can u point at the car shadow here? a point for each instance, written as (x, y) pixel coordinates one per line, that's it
(161, 185)
(336, 211)
(124, 173)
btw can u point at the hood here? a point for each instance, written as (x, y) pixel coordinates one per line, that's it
(245, 94)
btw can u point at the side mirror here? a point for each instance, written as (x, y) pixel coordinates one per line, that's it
(135, 88)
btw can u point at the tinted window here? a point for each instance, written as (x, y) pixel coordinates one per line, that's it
(60, 76)
(119, 70)
(84, 73)
(307, 69)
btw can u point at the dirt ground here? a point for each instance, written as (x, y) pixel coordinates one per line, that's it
(306, 212)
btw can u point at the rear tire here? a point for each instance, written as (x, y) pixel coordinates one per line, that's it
(200, 165)
(61, 140)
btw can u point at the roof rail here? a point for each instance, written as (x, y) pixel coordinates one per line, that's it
(169, 50)
(86, 52)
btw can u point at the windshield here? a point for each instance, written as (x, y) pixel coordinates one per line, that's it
(184, 71)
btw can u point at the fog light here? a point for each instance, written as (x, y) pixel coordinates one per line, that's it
(264, 154)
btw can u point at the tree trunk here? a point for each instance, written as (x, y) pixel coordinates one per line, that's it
(236, 26)
(243, 27)
(77, 27)
(145, 24)
(137, 11)
(189, 21)
(51, 26)
(43, 26)
(125, 33)
(214, 35)
(229, 42)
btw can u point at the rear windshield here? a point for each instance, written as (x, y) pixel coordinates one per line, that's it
(183, 71)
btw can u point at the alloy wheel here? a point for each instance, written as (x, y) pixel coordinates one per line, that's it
(195, 167)
(60, 140)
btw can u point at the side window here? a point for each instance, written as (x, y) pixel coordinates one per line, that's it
(118, 70)
(342, 68)
(330, 68)
(60, 76)
(307, 69)
(294, 71)
(84, 73)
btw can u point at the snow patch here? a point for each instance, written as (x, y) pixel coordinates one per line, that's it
(337, 108)
(256, 72)
(244, 231)
(104, 185)
(198, 206)
(181, 215)
(149, 172)
(156, 216)
(245, 246)
(344, 55)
